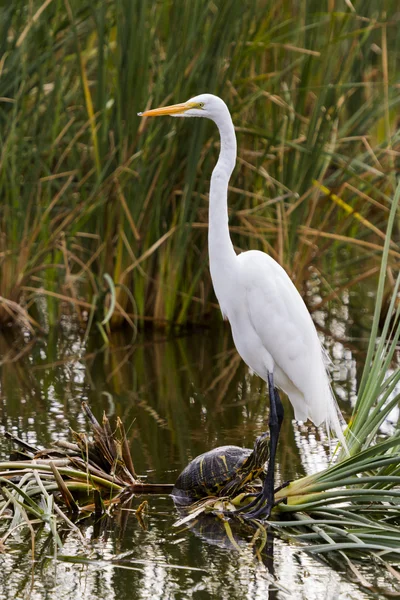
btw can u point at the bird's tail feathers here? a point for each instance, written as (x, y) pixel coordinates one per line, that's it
(336, 422)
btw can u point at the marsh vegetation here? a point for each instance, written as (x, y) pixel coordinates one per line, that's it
(89, 190)
(103, 257)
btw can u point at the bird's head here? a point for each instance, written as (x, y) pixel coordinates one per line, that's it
(204, 105)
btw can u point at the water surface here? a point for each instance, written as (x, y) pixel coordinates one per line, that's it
(178, 397)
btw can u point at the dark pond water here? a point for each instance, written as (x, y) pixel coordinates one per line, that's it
(177, 398)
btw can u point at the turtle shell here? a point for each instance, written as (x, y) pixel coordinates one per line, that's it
(209, 473)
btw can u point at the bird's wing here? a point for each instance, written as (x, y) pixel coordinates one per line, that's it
(284, 325)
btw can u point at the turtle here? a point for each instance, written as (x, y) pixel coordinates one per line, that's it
(222, 471)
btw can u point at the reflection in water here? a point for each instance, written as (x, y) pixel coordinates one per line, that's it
(177, 399)
(161, 563)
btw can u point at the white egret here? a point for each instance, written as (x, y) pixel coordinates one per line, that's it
(271, 326)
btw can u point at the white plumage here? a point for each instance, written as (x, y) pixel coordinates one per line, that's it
(283, 336)
(271, 326)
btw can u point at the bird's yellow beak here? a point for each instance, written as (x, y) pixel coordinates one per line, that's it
(174, 109)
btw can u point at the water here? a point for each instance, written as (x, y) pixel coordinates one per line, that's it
(177, 398)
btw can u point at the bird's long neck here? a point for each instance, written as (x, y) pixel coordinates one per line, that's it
(220, 246)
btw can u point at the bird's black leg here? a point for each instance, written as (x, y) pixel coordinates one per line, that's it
(265, 502)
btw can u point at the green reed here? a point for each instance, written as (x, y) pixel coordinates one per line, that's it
(90, 190)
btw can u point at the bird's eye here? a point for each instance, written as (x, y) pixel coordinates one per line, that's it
(201, 104)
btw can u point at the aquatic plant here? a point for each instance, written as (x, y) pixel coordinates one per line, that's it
(87, 190)
(84, 477)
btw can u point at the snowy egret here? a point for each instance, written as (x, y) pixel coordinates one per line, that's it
(271, 326)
